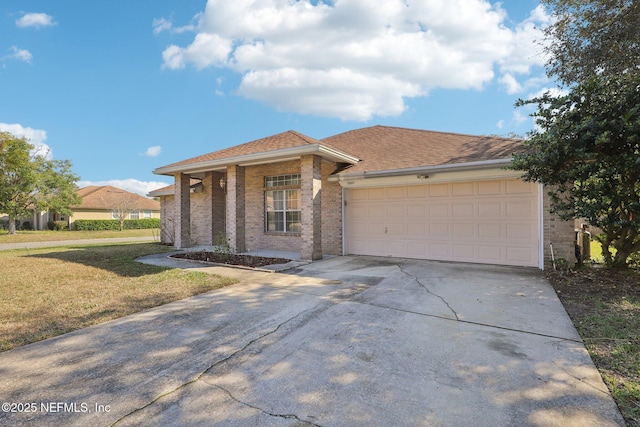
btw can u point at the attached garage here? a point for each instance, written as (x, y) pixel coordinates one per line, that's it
(492, 221)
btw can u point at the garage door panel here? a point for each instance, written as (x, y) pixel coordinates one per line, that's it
(439, 190)
(517, 254)
(439, 210)
(417, 192)
(438, 230)
(418, 210)
(438, 250)
(396, 229)
(488, 188)
(516, 186)
(419, 230)
(464, 252)
(492, 222)
(464, 230)
(462, 189)
(523, 208)
(463, 210)
(491, 208)
(519, 231)
(490, 231)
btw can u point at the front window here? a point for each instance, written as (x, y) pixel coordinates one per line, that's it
(282, 206)
(148, 214)
(134, 215)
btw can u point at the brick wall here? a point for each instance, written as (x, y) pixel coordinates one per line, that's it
(331, 212)
(558, 232)
(167, 226)
(311, 207)
(208, 210)
(244, 222)
(201, 213)
(236, 208)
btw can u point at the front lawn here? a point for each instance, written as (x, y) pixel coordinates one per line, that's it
(52, 236)
(604, 306)
(49, 292)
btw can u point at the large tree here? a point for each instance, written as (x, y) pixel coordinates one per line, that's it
(30, 182)
(593, 37)
(587, 148)
(585, 145)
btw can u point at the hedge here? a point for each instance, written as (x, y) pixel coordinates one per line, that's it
(114, 224)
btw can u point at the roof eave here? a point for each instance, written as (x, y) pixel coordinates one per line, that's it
(282, 154)
(453, 167)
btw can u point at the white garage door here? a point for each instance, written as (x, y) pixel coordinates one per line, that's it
(492, 222)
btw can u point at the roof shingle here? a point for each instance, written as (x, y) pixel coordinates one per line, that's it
(389, 148)
(108, 197)
(279, 141)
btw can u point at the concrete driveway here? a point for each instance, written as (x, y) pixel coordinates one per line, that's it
(341, 342)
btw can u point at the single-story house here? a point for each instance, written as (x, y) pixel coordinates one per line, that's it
(107, 202)
(380, 190)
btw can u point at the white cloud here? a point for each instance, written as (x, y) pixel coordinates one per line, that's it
(36, 20)
(153, 151)
(500, 124)
(20, 54)
(510, 83)
(163, 24)
(36, 137)
(130, 184)
(350, 60)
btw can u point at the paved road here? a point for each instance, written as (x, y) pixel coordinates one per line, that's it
(350, 341)
(31, 245)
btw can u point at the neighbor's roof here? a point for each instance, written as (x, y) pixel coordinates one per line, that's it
(108, 197)
(289, 144)
(382, 148)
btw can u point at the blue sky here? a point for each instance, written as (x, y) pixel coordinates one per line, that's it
(123, 87)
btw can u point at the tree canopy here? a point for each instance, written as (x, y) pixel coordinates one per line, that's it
(593, 37)
(30, 181)
(587, 147)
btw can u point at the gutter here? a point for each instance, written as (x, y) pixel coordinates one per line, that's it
(454, 167)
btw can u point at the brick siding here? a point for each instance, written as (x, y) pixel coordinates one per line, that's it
(558, 232)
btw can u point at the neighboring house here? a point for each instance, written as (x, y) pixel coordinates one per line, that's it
(379, 190)
(107, 202)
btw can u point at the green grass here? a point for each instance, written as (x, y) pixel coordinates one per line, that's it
(612, 337)
(49, 236)
(48, 292)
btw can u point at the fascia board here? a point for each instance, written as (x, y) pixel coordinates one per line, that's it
(484, 164)
(257, 158)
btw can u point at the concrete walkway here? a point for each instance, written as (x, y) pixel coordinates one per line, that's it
(52, 244)
(349, 341)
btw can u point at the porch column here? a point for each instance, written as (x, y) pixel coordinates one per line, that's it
(310, 193)
(235, 188)
(182, 216)
(218, 203)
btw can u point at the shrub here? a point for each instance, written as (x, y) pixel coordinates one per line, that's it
(114, 224)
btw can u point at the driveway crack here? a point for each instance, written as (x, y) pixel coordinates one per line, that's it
(271, 414)
(426, 288)
(212, 366)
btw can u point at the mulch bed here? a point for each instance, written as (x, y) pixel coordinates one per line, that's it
(232, 259)
(575, 286)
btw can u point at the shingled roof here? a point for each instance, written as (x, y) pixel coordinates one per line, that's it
(370, 149)
(108, 197)
(288, 139)
(383, 148)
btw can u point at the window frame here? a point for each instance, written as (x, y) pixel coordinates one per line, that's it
(285, 213)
